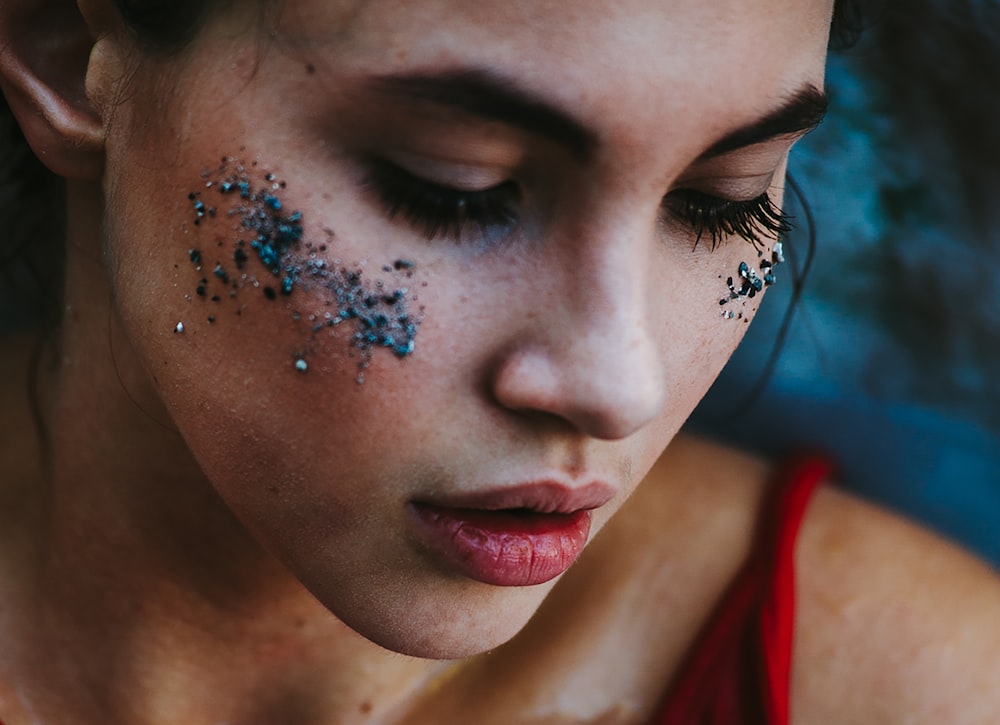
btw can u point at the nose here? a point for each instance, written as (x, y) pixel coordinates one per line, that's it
(588, 352)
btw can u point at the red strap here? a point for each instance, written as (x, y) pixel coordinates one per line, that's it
(739, 669)
(777, 614)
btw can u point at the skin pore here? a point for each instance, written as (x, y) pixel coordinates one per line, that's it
(214, 504)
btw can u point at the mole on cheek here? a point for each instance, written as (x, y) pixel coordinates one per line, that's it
(266, 251)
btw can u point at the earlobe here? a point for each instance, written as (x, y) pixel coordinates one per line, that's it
(45, 49)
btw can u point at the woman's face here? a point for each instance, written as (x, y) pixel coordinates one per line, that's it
(395, 266)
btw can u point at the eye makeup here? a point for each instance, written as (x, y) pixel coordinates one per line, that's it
(718, 219)
(269, 253)
(749, 281)
(440, 211)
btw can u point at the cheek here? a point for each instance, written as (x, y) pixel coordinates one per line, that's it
(742, 289)
(725, 289)
(264, 249)
(222, 261)
(257, 327)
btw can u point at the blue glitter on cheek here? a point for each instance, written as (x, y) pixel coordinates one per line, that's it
(269, 256)
(378, 309)
(752, 282)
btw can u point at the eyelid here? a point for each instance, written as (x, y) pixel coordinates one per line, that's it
(734, 187)
(441, 211)
(460, 175)
(761, 162)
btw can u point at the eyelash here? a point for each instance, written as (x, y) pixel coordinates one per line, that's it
(720, 218)
(439, 211)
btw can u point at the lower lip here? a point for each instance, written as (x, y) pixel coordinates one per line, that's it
(504, 548)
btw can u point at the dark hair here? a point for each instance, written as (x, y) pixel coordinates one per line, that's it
(848, 23)
(31, 202)
(164, 25)
(31, 197)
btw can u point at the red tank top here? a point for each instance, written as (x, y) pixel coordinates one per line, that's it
(738, 671)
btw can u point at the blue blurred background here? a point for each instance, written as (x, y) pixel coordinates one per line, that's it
(892, 363)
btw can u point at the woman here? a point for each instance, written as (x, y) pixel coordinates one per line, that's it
(374, 316)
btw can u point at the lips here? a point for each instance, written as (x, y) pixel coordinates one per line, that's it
(517, 536)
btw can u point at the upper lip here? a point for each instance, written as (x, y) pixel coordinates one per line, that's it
(544, 497)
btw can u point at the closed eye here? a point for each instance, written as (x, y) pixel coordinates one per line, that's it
(442, 212)
(718, 219)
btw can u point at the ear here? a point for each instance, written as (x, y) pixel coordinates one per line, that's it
(45, 50)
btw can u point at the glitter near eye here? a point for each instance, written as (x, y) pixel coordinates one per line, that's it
(748, 281)
(371, 313)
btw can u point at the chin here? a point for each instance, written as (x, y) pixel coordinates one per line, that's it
(450, 626)
(454, 645)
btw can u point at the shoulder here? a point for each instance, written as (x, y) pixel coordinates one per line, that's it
(894, 624)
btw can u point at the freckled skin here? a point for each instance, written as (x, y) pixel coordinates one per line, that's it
(574, 349)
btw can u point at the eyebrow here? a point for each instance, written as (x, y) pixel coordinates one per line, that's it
(486, 94)
(800, 113)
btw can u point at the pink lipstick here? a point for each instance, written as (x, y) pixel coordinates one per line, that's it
(518, 536)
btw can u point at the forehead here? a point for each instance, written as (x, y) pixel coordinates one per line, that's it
(715, 60)
(644, 24)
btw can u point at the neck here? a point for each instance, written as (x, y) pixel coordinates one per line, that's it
(144, 582)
